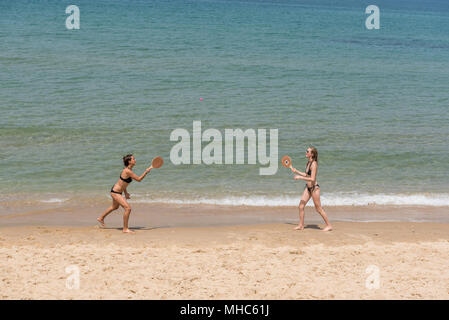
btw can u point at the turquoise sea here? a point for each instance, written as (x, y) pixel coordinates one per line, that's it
(375, 103)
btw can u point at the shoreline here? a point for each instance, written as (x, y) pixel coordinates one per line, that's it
(263, 261)
(173, 215)
(288, 199)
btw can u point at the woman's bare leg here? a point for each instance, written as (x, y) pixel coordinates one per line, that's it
(122, 201)
(319, 208)
(113, 207)
(126, 219)
(302, 204)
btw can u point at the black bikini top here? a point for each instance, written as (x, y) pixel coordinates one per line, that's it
(126, 180)
(309, 173)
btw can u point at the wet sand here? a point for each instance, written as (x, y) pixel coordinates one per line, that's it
(76, 213)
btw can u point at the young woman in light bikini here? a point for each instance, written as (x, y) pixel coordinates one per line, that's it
(117, 189)
(312, 188)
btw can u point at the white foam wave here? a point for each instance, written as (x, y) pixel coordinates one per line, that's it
(54, 200)
(326, 200)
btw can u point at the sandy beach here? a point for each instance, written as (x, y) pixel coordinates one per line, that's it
(259, 261)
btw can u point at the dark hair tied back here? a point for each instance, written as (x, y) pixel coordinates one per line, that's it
(127, 159)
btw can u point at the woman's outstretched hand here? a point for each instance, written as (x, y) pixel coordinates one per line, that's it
(297, 177)
(149, 168)
(293, 169)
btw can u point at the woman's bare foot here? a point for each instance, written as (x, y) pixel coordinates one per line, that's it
(128, 231)
(101, 221)
(328, 228)
(299, 227)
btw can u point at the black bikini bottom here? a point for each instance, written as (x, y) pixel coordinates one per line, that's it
(311, 189)
(112, 190)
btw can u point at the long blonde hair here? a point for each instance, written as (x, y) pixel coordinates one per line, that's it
(314, 152)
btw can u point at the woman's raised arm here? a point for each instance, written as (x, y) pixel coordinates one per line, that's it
(136, 177)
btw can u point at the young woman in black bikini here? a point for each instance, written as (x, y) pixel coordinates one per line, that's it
(117, 189)
(312, 188)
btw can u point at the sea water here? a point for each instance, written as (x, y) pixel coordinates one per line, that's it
(373, 102)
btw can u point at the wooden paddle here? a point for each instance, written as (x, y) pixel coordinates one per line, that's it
(286, 162)
(157, 162)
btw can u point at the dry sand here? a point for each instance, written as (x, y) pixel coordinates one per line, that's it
(264, 261)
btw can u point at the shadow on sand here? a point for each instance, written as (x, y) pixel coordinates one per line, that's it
(136, 228)
(307, 226)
